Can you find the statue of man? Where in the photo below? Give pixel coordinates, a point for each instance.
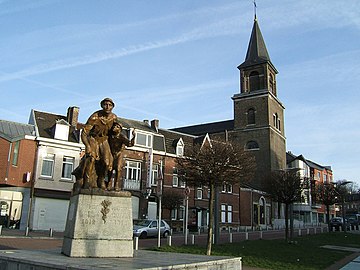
(98, 160)
(117, 142)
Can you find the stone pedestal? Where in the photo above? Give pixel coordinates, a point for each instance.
(99, 224)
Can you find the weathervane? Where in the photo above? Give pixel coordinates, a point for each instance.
(255, 10)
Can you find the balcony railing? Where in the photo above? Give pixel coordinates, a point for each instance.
(130, 184)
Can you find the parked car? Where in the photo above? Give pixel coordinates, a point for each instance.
(337, 223)
(353, 220)
(143, 228)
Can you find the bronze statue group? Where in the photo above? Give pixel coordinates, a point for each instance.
(104, 143)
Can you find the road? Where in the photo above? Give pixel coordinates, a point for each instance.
(37, 240)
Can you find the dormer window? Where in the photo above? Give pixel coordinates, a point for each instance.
(180, 148)
(61, 130)
(143, 139)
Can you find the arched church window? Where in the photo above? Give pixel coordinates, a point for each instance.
(254, 81)
(251, 145)
(251, 116)
(277, 122)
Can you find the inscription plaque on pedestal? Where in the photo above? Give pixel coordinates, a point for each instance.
(99, 225)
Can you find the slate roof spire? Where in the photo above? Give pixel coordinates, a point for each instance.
(257, 52)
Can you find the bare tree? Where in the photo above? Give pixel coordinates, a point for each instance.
(326, 193)
(211, 165)
(171, 200)
(285, 186)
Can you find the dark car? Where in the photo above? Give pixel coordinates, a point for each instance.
(353, 220)
(337, 223)
(148, 227)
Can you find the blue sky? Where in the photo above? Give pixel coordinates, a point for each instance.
(176, 61)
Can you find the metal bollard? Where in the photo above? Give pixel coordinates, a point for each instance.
(193, 239)
(27, 231)
(230, 238)
(261, 235)
(299, 233)
(0, 229)
(136, 243)
(169, 240)
(51, 232)
(246, 236)
(307, 231)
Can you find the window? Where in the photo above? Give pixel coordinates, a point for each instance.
(180, 148)
(254, 81)
(48, 165)
(67, 168)
(173, 214)
(277, 122)
(143, 139)
(182, 183)
(16, 153)
(154, 174)
(227, 188)
(175, 181)
(133, 170)
(181, 212)
(199, 193)
(229, 213)
(272, 84)
(325, 178)
(251, 116)
(252, 145)
(226, 213)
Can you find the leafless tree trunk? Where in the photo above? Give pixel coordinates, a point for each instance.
(211, 220)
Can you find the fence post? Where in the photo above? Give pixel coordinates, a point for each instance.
(169, 240)
(136, 243)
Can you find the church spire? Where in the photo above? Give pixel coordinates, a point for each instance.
(257, 52)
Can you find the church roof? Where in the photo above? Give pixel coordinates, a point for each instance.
(210, 128)
(257, 52)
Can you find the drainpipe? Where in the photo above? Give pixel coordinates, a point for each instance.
(8, 163)
(32, 189)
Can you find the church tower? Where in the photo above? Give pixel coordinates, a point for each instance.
(258, 113)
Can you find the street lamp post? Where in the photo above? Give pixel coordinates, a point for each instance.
(342, 196)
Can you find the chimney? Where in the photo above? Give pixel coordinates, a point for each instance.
(72, 116)
(146, 121)
(155, 124)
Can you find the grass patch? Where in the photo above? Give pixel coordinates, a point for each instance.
(304, 253)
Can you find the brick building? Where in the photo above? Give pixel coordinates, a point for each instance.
(17, 159)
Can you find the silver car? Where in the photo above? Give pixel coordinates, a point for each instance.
(149, 227)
